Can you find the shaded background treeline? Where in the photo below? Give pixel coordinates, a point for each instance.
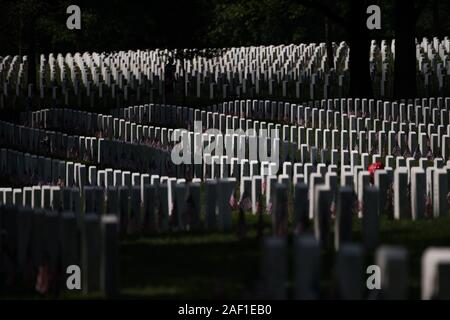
(31, 27)
(109, 25)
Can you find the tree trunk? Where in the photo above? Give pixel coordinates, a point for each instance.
(360, 82)
(405, 85)
(30, 46)
(329, 42)
(328, 36)
(436, 19)
(31, 51)
(184, 81)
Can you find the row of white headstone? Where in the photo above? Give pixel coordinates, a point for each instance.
(229, 115)
(384, 138)
(91, 149)
(304, 183)
(350, 274)
(33, 169)
(297, 71)
(327, 128)
(36, 238)
(418, 110)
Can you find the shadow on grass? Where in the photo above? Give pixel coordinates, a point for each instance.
(217, 266)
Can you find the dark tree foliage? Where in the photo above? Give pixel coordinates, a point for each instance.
(32, 27)
(109, 25)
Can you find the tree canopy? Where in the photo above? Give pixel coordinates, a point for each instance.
(109, 25)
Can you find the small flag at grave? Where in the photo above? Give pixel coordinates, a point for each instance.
(245, 203)
(233, 203)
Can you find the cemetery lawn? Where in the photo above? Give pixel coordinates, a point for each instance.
(200, 265)
(222, 266)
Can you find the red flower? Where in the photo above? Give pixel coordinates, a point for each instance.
(374, 167)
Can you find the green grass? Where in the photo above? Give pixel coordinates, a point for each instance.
(220, 266)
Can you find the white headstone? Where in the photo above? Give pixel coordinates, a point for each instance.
(435, 274)
(393, 263)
